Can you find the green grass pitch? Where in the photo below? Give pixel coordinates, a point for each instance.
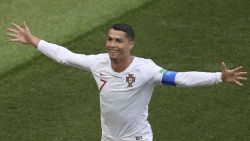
(43, 101)
(67, 20)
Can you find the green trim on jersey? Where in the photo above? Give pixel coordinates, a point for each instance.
(162, 70)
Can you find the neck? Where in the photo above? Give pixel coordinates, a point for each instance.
(122, 64)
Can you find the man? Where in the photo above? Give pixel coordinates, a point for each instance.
(125, 82)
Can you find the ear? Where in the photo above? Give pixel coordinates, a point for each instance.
(131, 44)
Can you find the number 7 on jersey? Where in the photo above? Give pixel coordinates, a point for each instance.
(103, 84)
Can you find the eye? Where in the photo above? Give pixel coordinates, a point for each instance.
(109, 39)
(119, 40)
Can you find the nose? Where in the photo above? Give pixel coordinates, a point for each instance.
(112, 44)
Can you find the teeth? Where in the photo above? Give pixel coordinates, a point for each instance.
(113, 51)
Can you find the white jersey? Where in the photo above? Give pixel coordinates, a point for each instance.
(125, 96)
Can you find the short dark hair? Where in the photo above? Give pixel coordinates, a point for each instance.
(125, 28)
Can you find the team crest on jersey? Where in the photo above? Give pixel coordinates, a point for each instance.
(130, 79)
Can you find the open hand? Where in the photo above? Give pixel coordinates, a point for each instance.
(21, 34)
(233, 76)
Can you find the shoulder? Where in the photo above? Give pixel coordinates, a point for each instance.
(148, 69)
(147, 66)
(145, 63)
(98, 59)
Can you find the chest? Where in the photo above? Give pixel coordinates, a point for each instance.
(108, 82)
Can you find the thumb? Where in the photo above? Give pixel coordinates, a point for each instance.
(223, 67)
(25, 26)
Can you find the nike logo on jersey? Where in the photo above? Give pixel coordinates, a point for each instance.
(101, 74)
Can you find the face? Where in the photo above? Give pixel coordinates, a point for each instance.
(118, 45)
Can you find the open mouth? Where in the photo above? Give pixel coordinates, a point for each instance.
(113, 50)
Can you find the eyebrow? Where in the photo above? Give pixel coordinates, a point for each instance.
(115, 38)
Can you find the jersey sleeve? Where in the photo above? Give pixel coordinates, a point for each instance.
(152, 72)
(156, 75)
(64, 56)
(184, 79)
(194, 79)
(190, 79)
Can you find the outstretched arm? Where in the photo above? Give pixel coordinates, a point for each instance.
(22, 34)
(194, 79)
(58, 53)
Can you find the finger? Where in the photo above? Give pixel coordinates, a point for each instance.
(16, 26)
(242, 78)
(237, 69)
(13, 40)
(238, 83)
(12, 30)
(240, 73)
(25, 25)
(223, 66)
(11, 35)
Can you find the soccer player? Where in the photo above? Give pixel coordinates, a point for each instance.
(125, 82)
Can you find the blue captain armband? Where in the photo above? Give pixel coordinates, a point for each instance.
(168, 78)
